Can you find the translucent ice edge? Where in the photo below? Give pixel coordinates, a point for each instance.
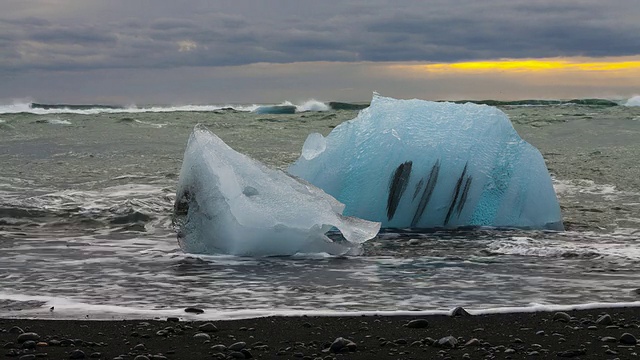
(66, 309)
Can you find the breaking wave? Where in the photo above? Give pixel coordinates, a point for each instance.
(634, 101)
(52, 109)
(46, 109)
(131, 206)
(286, 107)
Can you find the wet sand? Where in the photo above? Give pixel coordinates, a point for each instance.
(583, 334)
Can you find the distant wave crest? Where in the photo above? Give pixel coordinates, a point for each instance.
(285, 107)
(634, 101)
(50, 109)
(288, 107)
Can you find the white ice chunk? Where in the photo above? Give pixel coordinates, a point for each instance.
(422, 164)
(313, 146)
(228, 203)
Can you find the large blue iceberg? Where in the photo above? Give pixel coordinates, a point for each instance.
(422, 164)
(228, 203)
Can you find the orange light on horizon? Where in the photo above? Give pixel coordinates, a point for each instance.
(522, 65)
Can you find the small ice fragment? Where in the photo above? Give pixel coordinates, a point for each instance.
(228, 203)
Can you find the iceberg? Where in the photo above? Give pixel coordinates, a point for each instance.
(228, 203)
(423, 164)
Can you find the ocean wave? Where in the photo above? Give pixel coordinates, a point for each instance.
(536, 102)
(38, 307)
(288, 107)
(46, 109)
(526, 246)
(634, 101)
(52, 109)
(133, 206)
(54, 121)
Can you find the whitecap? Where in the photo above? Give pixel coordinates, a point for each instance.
(66, 308)
(312, 105)
(634, 101)
(55, 121)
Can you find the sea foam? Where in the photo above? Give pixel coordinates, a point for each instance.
(634, 101)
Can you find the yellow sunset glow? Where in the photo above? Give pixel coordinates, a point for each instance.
(525, 65)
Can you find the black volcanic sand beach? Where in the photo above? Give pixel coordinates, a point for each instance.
(587, 334)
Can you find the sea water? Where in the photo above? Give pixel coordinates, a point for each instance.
(86, 196)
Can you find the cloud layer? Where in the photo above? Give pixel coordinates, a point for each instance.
(74, 35)
(217, 51)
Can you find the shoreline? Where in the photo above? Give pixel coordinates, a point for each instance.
(581, 334)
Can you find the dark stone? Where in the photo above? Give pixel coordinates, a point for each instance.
(27, 357)
(202, 336)
(236, 355)
(561, 316)
(77, 354)
(338, 344)
(139, 347)
(571, 353)
(247, 354)
(238, 346)
(604, 320)
(610, 339)
(628, 339)
(459, 311)
(16, 330)
(28, 336)
(66, 342)
(194, 310)
(141, 357)
(173, 319)
(418, 324)
(219, 348)
(448, 342)
(13, 353)
(95, 355)
(208, 327)
(473, 342)
(29, 344)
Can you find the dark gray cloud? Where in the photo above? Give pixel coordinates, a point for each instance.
(117, 34)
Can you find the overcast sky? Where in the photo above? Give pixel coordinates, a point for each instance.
(205, 51)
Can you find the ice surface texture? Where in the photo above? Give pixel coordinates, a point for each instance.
(228, 203)
(422, 164)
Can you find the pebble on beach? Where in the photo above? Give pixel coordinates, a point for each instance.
(499, 336)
